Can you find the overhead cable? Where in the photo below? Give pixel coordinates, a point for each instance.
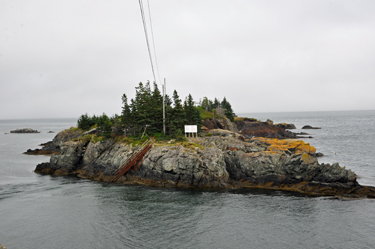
(153, 41)
(146, 35)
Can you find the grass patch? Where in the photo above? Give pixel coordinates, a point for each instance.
(96, 139)
(190, 145)
(85, 138)
(74, 129)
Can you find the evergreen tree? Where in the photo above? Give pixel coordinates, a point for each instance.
(142, 101)
(85, 122)
(104, 126)
(156, 111)
(198, 120)
(126, 119)
(168, 114)
(178, 115)
(190, 110)
(206, 105)
(228, 109)
(117, 127)
(215, 104)
(133, 117)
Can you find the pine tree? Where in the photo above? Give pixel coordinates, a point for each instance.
(156, 113)
(117, 127)
(104, 126)
(228, 109)
(142, 101)
(190, 110)
(126, 119)
(198, 120)
(168, 114)
(206, 105)
(85, 122)
(215, 104)
(133, 117)
(178, 115)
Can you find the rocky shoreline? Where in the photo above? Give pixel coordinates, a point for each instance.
(225, 159)
(53, 147)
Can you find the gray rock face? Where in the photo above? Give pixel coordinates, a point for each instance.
(105, 157)
(218, 161)
(54, 145)
(185, 168)
(224, 123)
(69, 158)
(284, 169)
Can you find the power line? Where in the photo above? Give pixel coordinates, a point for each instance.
(146, 35)
(153, 41)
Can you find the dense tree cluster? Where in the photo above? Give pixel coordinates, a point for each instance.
(208, 105)
(146, 110)
(144, 114)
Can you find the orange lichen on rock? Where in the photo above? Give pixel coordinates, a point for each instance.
(277, 146)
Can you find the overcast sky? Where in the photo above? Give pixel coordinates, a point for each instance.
(66, 58)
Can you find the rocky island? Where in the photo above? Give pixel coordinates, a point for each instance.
(24, 130)
(219, 159)
(140, 147)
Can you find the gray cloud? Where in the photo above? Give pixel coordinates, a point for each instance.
(65, 58)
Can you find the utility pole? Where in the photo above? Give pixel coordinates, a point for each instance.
(164, 90)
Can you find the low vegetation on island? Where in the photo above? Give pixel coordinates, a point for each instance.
(143, 115)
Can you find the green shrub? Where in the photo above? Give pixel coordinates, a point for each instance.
(85, 138)
(206, 115)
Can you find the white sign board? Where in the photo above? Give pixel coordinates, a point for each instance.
(191, 129)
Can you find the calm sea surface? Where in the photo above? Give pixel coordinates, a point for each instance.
(39, 211)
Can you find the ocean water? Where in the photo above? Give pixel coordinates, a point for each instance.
(41, 211)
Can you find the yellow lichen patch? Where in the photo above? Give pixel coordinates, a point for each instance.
(276, 145)
(306, 158)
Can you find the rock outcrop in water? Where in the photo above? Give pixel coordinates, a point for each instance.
(24, 130)
(309, 127)
(224, 160)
